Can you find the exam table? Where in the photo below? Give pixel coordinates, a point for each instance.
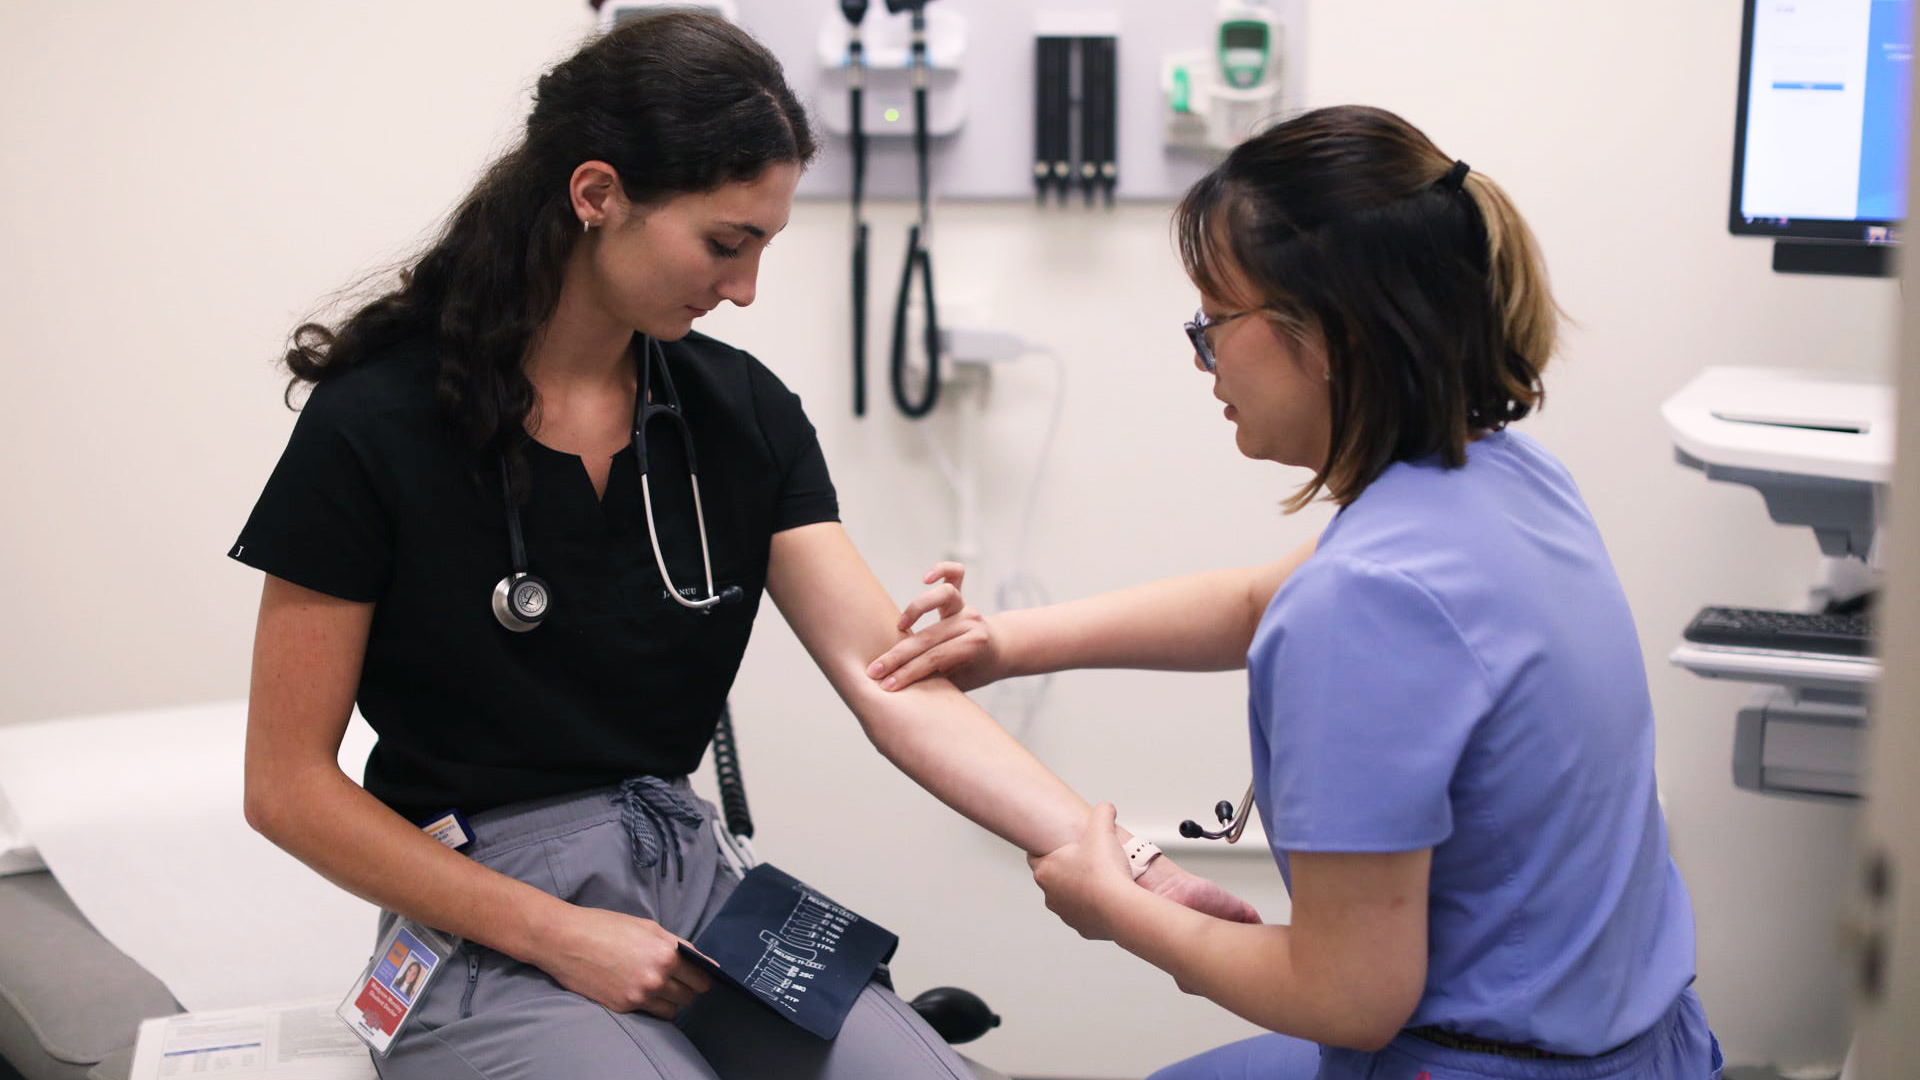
(70, 1002)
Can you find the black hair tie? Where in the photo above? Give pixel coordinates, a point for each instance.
(1455, 177)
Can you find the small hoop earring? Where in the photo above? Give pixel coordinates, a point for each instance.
(585, 225)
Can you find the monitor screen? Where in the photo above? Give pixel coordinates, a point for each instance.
(1821, 142)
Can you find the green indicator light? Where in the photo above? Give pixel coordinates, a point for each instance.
(893, 116)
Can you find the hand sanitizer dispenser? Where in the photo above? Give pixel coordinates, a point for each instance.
(1214, 99)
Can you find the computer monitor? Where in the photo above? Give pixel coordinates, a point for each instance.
(1820, 145)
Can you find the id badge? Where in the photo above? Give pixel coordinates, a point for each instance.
(450, 828)
(384, 995)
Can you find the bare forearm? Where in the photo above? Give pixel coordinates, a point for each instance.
(1192, 623)
(333, 825)
(1250, 970)
(930, 730)
(952, 748)
(1199, 622)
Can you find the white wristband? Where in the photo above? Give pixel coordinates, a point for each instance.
(1140, 852)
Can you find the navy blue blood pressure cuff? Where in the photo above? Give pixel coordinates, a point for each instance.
(797, 952)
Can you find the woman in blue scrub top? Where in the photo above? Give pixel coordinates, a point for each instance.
(1451, 732)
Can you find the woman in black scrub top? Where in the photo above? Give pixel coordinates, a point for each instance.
(657, 164)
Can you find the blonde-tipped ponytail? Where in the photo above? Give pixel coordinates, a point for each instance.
(1518, 275)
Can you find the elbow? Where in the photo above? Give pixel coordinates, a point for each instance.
(1368, 1001)
(1363, 1029)
(265, 803)
(1368, 1038)
(1371, 1021)
(1339, 1022)
(260, 807)
(891, 719)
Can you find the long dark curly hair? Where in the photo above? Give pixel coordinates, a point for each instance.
(678, 102)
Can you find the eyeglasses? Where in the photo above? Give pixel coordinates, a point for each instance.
(1197, 334)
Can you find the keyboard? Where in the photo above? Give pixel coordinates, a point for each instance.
(1781, 631)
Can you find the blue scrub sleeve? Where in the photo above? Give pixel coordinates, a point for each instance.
(1368, 696)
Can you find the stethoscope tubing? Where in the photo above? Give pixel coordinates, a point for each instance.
(659, 560)
(516, 543)
(646, 411)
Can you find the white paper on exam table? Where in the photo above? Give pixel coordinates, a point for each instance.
(139, 817)
(302, 1041)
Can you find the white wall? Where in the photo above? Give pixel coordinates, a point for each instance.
(184, 182)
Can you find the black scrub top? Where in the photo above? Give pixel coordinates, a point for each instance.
(376, 499)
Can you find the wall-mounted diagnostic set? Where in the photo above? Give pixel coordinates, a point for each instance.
(1076, 105)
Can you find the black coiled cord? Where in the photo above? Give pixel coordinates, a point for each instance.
(919, 260)
(726, 768)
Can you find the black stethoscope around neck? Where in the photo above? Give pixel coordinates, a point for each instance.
(522, 601)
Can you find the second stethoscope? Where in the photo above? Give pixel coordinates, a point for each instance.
(522, 601)
(1234, 821)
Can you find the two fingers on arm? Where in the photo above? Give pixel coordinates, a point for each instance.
(940, 648)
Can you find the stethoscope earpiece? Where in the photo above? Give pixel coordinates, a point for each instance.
(520, 601)
(1233, 821)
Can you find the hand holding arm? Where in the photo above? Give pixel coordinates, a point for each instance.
(1085, 879)
(1349, 971)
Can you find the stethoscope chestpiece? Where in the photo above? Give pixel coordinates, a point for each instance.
(520, 602)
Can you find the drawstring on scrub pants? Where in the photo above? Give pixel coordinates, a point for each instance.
(652, 811)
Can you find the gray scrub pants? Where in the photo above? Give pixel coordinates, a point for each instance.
(488, 1015)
